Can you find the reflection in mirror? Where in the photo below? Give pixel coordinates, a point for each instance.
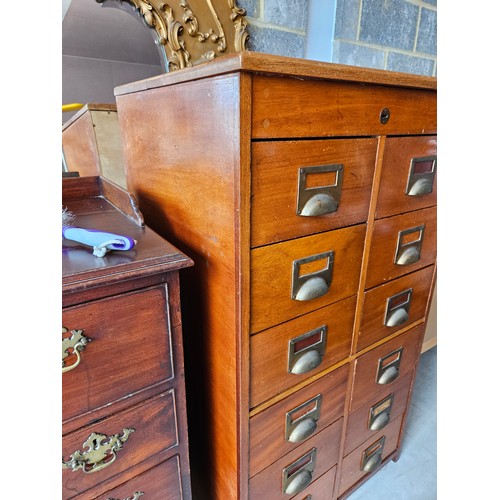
(103, 47)
(108, 43)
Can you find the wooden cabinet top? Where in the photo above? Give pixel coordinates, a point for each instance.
(255, 62)
(103, 206)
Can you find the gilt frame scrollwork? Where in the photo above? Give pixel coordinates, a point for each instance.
(192, 31)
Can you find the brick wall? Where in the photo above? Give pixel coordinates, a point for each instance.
(397, 35)
(277, 26)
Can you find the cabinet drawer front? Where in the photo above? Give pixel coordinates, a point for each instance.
(402, 244)
(305, 187)
(159, 483)
(321, 488)
(295, 277)
(383, 367)
(129, 349)
(154, 430)
(303, 465)
(369, 454)
(291, 352)
(377, 414)
(284, 426)
(408, 180)
(337, 109)
(394, 305)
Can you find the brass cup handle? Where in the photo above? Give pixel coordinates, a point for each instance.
(302, 430)
(372, 463)
(301, 421)
(319, 200)
(73, 345)
(397, 317)
(380, 413)
(298, 482)
(372, 456)
(397, 308)
(420, 187)
(388, 367)
(380, 421)
(421, 176)
(306, 358)
(313, 285)
(135, 496)
(298, 475)
(409, 252)
(100, 452)
(408, 256)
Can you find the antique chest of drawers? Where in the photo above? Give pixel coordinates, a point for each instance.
(124, 412)
(305, 193)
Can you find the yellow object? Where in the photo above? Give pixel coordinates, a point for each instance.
(72, 107)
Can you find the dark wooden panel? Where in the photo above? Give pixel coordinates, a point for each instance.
(269, 349)
(358, 429)
(373, 328)
(189, 173)
(321, 489)
(159, 483)
(405, 346)
(123, 356)
(80, 145)
(292, 108)
(271, 274)
(268, 483)
(267, 428)
(381, 263)
(275, 174)
(398, 154)
(155, 431)
(351, 471)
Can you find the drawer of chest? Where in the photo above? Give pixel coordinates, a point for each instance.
(368, 457)
(161, 482)
(310, 186)
(293, 473)
(321, 488)
(288, 354)
(282, 427)
(295, 277)
(401, 244)
(292, 108)
(128, 350)
(112, 446)
(380, 369)
(377, 414)
(391, 306)
(408, 180)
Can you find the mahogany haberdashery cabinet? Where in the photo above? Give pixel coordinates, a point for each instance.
(124, 428)
(305, 192)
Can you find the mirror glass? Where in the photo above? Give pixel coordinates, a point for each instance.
(104, 46)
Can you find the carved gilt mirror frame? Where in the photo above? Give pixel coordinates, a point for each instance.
(191, 32)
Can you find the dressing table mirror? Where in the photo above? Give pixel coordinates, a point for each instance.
(107, 43)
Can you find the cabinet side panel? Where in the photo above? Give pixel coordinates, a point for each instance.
(181, 149)
(80, 147)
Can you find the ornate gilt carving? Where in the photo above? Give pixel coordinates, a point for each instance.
(240, 26)
(217, 22)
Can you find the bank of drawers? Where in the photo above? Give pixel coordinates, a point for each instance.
(291, 202)
(401, 260)
(305, 274)
(124, 429)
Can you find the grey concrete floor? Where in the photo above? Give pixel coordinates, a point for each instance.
(413, 476)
